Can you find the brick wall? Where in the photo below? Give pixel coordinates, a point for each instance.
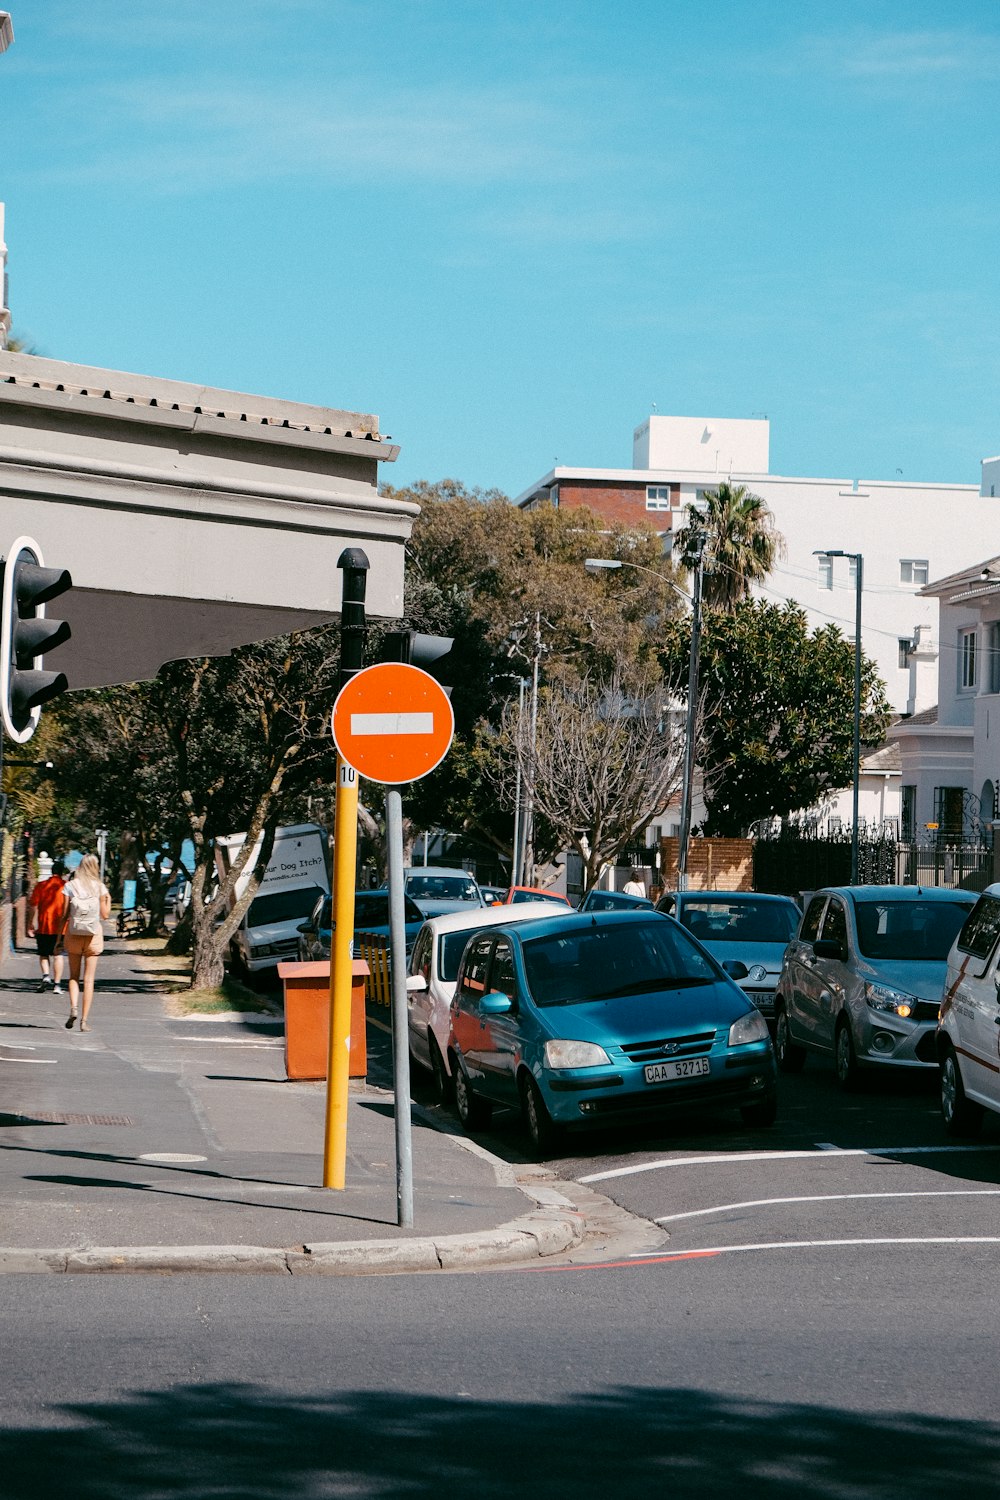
(713, 864)
(623, 503)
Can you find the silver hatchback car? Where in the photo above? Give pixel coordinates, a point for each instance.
(862, 981)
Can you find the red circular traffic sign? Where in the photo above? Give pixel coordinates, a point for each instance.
(393, 723)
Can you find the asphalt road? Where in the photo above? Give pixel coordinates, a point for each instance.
(822, 1319)
(870, 1173)
(707, 1377)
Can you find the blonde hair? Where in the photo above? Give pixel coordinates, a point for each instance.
(88, 872)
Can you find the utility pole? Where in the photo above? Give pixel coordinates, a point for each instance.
(687, 794)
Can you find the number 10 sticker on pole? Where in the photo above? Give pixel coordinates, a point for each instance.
(393, 723)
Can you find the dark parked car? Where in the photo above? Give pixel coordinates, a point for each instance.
(598, 900)
(371, 915)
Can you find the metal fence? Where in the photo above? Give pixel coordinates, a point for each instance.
(792, 861)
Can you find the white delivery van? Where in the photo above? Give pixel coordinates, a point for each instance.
(297, 875)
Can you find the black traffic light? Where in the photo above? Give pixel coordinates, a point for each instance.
(26, 635)
(432, 653)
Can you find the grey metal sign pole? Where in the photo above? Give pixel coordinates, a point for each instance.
(400, 1042)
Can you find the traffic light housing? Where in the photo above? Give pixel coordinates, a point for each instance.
(432, 653)
(26, 635)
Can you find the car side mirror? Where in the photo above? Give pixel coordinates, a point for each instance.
(495, 1004)
(735, 969)
(415, 982)
(828, 948)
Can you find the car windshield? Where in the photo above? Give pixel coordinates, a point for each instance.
(282, 906)
(600, 963)
(441, 888)
(908, 929)
(746, 921)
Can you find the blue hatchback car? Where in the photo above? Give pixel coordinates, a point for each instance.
(604, 1017)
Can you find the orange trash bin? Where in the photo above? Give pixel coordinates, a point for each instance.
(307, 1019)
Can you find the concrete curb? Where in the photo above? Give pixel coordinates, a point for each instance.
(544, 1232)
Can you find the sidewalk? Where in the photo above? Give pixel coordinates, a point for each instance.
(153, 1143)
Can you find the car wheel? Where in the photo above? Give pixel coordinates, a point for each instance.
(542, 1130)
(762, 1112)
(961, 1115)
(443, 1082)
(475, 1113)
(791, 1058)
(846, 1060)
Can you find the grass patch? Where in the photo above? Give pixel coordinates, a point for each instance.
(174, 972)
(229, 995)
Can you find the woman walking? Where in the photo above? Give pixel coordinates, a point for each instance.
(88, 906)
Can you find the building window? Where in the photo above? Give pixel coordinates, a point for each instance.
(825, 572)
(554, 497)
(905, 647)
(994, 655)
(661, 496)
(908, 811)
(913, 572)
(967, 659)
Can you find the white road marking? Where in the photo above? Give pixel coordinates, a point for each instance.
(168, 1156)
(980, 1239)
(228, 1041)
(35, 1060)
(416, 723)
(745, 1156)
(724, 1208)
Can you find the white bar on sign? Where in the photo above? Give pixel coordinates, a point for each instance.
(392, 724)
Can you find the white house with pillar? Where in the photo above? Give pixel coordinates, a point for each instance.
(950, 756)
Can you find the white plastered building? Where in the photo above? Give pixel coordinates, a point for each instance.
(907, 531)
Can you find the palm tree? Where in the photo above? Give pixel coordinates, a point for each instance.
(740, 544)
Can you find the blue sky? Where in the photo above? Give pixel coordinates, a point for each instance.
(511, 228)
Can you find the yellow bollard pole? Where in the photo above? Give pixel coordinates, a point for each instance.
(345, 844)
(354, 565)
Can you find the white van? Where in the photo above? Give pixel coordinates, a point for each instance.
(297, 875)
(968, 1033)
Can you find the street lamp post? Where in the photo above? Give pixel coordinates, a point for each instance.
(600, 564)
(859, 567)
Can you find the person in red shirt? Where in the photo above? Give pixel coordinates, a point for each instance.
(46, 907)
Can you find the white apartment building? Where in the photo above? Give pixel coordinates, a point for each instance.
(907, 532)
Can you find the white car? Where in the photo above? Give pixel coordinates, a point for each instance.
(430, 983)
(968, 1034)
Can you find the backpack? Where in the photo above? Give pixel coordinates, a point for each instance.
(84, 910)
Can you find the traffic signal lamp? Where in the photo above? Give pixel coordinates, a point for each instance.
(432, 653)
(25, 637)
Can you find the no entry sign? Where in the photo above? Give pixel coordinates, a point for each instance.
(393, 723)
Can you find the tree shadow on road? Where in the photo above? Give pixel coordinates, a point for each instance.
(259, 1444)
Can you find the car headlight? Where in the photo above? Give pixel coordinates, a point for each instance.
(896, 1002)
(565, 1054)
(749, 1028)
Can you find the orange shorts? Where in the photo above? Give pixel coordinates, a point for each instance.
(90, 944)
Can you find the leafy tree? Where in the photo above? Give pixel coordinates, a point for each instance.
(605, 759)
(210, 747)
(482, 571)
(778, 709)
(741, 544)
